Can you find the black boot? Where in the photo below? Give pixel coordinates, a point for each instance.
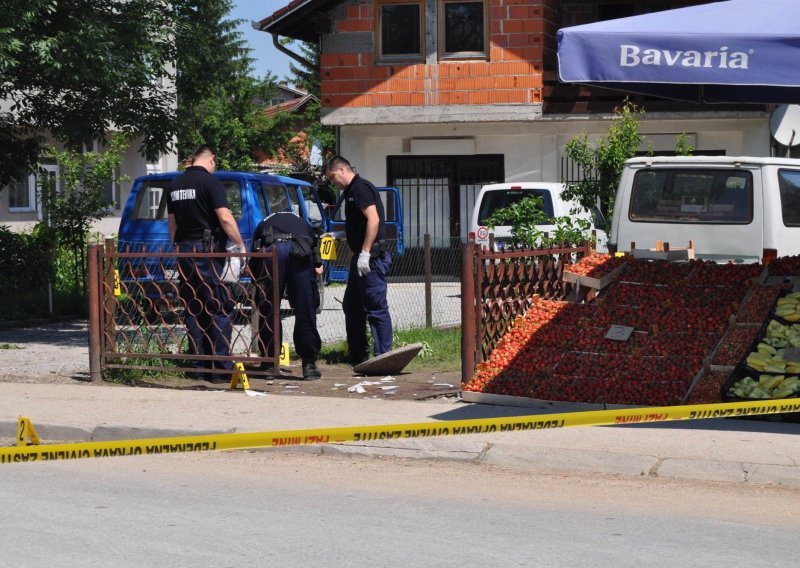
(310, 370)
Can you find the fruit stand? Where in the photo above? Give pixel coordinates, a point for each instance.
(657, 333)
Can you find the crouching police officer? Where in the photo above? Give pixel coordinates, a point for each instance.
(299, 266)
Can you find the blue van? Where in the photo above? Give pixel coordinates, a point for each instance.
(337, 271)
(252, 196)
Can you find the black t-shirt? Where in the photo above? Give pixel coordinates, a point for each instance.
(283, 223)
(359, 195)
(193, 197)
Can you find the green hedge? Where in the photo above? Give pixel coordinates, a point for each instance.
(28, 262)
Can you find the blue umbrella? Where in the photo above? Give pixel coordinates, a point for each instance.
(734, 51)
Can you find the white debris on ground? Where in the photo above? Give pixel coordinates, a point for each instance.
(361, 387)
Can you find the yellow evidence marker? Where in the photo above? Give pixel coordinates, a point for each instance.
(327, 248)
(283, 360)
(239, 376)
(26, 433)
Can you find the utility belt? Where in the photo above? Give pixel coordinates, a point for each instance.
(378, 248)
(212, 242)
(272, 238)
(302, 246)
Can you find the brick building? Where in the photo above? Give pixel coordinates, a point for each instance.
(439, 97)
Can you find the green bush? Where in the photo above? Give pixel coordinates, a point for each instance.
(30, 261)
(25, 269)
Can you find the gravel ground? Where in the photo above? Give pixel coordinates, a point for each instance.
(59, 353)
(46, 353)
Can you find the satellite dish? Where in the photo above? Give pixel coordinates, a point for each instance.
(784, 124)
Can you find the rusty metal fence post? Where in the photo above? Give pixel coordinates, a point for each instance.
(109, 277)
(468, 326)
(94, 299)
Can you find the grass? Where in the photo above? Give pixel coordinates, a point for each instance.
(442, 351)
(9, 346)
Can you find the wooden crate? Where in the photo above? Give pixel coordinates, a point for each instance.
(591, 282)
(663, 251)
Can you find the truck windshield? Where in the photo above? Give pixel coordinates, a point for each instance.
(680, 195)
(502, 198)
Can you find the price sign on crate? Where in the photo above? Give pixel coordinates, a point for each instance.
(619, 332)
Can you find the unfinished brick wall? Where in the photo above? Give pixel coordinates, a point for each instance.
(519, 30)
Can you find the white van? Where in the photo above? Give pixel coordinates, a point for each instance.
(732, 208)
(500, 195)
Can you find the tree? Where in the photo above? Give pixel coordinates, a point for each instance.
(308, 79)
(601, 166)
(77, 69)
(682, 146)
(79, 200)
(527, 215)
(219, 101)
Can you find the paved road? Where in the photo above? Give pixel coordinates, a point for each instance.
(298, 510)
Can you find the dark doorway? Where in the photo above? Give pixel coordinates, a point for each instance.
(438, 192)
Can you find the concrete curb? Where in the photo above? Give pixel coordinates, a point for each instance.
(534, 459)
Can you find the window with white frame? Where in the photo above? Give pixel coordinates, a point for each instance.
(400, 28)
(463, 29)
(111, 192)
(22, 195)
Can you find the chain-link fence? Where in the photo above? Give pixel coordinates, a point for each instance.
(424, 288)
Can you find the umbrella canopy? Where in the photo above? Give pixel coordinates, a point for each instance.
(726, 52)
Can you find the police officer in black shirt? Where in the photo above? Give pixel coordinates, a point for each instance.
(200, 220)
(299, 266)
(365, 296)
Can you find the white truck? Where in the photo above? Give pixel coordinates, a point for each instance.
(500, 195)
(742, 209)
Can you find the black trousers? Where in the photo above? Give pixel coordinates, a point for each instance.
(297, 278)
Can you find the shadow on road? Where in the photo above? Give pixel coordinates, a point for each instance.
(773, 424)
(67, 334)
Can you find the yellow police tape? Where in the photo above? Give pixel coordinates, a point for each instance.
(246, 440)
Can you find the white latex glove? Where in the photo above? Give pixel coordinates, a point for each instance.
(234, 266)
(363, 263)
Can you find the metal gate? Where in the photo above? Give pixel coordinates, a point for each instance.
(136, 316)
(439, 192)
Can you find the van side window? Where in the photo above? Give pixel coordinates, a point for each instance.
(315, 212)
(276, 197)
(234, 193)
(293, 199)
(500, 199)
(262, 203)
(151, 202)
(692, 196)
(789, 184)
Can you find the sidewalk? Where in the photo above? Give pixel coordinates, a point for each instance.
(754, 452)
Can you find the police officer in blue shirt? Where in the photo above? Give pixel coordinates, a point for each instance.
(365, 295)
(299, 269)
(200, 220)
